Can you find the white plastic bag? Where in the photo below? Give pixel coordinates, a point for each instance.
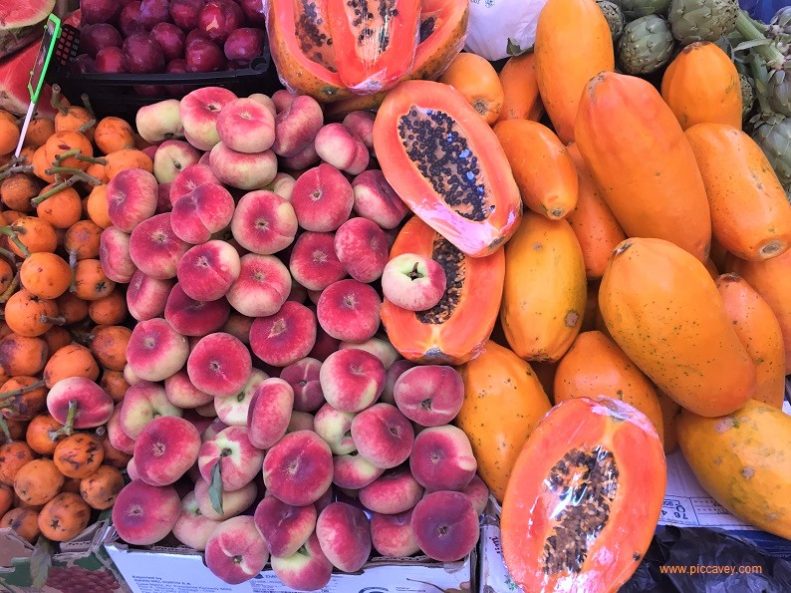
(495, 23)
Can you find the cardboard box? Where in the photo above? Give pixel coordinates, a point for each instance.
(180, 570)
(81, 565)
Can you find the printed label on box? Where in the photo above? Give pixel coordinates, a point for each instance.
(155, 572)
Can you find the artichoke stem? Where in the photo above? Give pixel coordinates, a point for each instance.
(747, 29)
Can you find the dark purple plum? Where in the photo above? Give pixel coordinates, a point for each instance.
(110, 60)
(129, 21)
(170, 38)
(143, 54)
(219, 18)
(96, 37)
(184, 13)
(204, 56)
(243, 45)
(153, 12)
(99, 11)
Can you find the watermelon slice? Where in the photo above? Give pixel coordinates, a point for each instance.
(14, 76)
(19, 22)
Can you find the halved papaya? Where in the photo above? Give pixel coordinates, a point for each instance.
(302, 50)
(374, 41)
(443, 28)
(584, 498)
(446, 164)
(305, 52)
(457, 328)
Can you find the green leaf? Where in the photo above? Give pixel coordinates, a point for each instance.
(41, 561)
(750, 44)
(215, 488)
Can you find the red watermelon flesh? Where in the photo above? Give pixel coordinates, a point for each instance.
(19, 20)
(14, 76)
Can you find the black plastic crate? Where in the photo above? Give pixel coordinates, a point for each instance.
(117, 94)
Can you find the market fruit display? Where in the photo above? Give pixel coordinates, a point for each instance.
(297, 329)
(256, 355)
(583, 498)
(742, 464)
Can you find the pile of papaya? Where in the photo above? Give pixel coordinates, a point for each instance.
(63, 332)
(634, 242)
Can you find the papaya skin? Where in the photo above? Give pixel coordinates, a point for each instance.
(594, 366)
(643, 164)
(544, 294)
(742, 461)
(542, 168)
(771, 279)
(759, 331)
(719, 100)
(592, 220)
(520, 88)
(663, 309)
(503, 402)
(750, 214)
(670, 412)
(562, 74)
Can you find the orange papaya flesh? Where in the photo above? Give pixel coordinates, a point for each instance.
(584, 498)
(457, 328)
(446, 164)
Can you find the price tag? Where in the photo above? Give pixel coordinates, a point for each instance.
(38, 74)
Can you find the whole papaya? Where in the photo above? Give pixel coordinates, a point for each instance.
(758, 329)
(742, 461)
(701, 84)
(592, 220)
(663, 309)
(642, 162)
(594, 366)
(750, 214)
(503, 402)
(573, 43)
(544, 292)
(771, 278)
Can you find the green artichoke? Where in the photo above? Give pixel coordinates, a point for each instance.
(748, 95)
(634, 9)
(702, 20)
(774, 138)
(645, 46)
(614, 15)
(779, 91)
